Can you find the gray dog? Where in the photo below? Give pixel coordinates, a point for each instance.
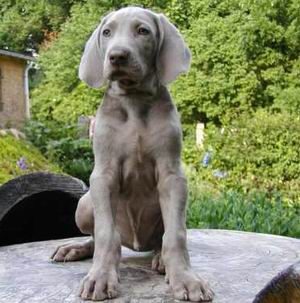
(138, 190)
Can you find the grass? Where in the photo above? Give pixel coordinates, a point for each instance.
(12, 150)
(254, 212)
(211, 205)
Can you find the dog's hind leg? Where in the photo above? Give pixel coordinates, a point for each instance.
(73, 251)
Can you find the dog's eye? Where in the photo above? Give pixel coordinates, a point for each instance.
(143, 31)
(106, 33)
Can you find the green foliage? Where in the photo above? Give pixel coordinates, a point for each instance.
(12, 150)
(40, 133)
(245, 56)
(288, 98)
(74, 156)
(54, 104)
(179, 12)
(25, 24)
(62, 146)
(259, 152)
(191, 153)
(255, 212)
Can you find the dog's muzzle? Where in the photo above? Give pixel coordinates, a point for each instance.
(123, 67)
(119, 57)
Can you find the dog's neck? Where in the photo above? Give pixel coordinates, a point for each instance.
(123, 103)
(148, 88)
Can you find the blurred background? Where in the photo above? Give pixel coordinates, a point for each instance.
(239, 104)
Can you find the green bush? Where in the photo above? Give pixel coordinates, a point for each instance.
(74, 156)
(41, 133)
(256, 152)
(25, 24)
(256, 211)
(61, 144)
(245, 57)
(191, 154)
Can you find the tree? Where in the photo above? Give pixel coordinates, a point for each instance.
(245, 56)
(25, 24)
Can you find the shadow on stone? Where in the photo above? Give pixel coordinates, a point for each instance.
(39, 206)
(42, 216)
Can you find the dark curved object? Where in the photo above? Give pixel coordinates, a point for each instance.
(284, 288)
(39, 206)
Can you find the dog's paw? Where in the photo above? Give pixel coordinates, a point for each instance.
(73, 252)
(186, 285)
(98, 285)
(157, 263)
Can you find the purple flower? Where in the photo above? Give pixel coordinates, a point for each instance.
(206, 159)
(21, 163)
(220, 174)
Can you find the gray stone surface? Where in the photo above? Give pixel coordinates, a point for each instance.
(237, 264)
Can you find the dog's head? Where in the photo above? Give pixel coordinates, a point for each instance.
(130, 44)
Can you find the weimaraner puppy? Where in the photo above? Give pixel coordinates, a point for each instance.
(138, 190)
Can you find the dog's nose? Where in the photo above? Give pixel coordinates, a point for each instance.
(118, 57)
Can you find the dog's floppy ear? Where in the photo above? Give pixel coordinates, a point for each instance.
(173, 57)
(91, 64)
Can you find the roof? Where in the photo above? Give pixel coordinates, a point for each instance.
(14, 54)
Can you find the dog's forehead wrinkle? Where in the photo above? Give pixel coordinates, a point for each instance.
(137, 15)
(110, 23)
(141, 21)
(127, 27)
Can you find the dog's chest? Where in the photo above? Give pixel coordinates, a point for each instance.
(126, 130)
(138, 209)
(138, 163)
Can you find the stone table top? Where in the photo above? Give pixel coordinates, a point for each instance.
(236, 264)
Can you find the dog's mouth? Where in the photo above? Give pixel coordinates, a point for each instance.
(128, 82)
(123, 78)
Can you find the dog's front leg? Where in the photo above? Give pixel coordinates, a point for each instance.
(102, 280)
(172, 186)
